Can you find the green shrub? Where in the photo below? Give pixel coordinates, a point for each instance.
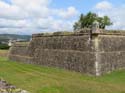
(4, 46)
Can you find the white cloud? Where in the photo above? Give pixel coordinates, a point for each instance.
(34, 8)
(104, 5)
(33, 16)
(10, 11)
(70, 12)
(116, 14)
(13, 23)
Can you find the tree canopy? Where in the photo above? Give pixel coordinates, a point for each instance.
(86, 21)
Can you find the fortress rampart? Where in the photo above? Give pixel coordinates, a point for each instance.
(103, 53)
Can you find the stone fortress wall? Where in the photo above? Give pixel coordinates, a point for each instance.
(102, 53)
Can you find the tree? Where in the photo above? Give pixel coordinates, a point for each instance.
(87, 21)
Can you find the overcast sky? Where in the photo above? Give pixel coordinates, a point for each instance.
(37, 16)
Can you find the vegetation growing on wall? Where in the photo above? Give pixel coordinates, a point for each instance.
(86, 21)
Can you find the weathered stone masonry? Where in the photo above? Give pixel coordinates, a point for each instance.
(105, 52)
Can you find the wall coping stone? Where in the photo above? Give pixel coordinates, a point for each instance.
(107, 32)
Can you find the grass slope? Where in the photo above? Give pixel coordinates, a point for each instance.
(38, 79)
(3, 53)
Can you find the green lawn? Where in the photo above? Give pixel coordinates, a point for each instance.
(38, 79)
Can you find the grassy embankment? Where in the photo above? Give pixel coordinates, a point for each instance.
(38, 79)
(3, 53)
